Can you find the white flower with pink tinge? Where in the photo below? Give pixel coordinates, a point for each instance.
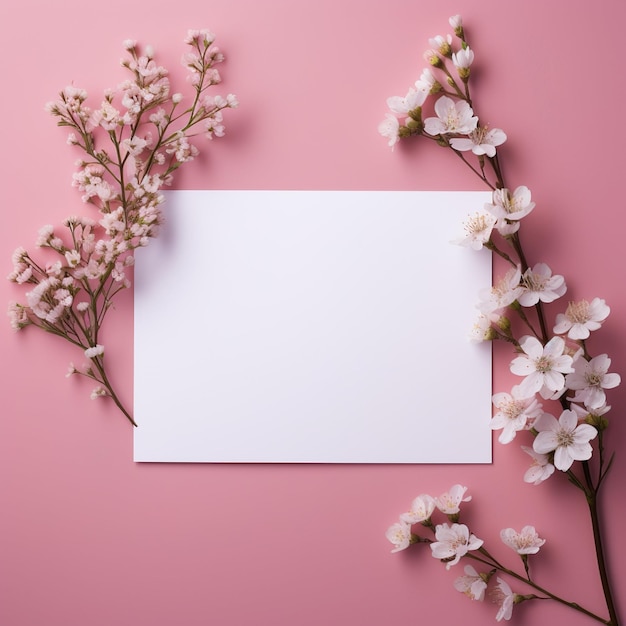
(482, 141)
(399, 534)
(542, 366)
(501, 295)
(540, 469)
(527, 541)
(538, 284)
(453, 542)
(389, 128)
(509, 208)
(472, 584)
(452, 117)
(515, 413)
(581, 317)
(504, 597)
(590, 379)
(421, 510)
(478, 229)
(450, 501)
(413, 99)
(568, 439)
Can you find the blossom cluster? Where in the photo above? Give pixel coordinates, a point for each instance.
(560, 401)
(131, 145)
(454, 541)
(550, 366)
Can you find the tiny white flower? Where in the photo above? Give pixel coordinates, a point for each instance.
(452, 117)
(478, 229)
(449, 502)
(481, 330)
(427, 81)
(399, 534)
(421, 510)
(540, 469)
(515, 413)
(505, 598)
(94, 351)
(98, 392)
(453, 542)
(566, 438)
(527, 541)
(455, 21)
(542, 367)
(581, 317)
(413, 99)
(510, 208)
(590, 379)
(471, 584)
(538, 284)
(389, 128)
(480, 141)
(462, 59)
(502, 294)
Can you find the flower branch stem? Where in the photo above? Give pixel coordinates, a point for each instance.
(592, 500)
(107, 384)
(505, 570)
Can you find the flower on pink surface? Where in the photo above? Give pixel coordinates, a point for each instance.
(453, 542)
(450, 501)
(527, 541)
(509, 208)
(581, 317)
(504, 597)
(399, 534)
(515, 413)
(131, 146)
(94, 351)
(480, 141)
(421, 510)
(540, 468)
(463, 58)
(402, 105)
(452, 117)
(538, 284)
(457, 24)
(590, 379)
(389, 128)
(565, 437)
(427, 82)
(543, 367)
(472, 584)
(443, 45)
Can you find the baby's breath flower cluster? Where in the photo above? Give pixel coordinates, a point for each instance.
(560, 403)
(131, 146)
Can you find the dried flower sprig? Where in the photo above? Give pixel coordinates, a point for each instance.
(561, 400)
(132, 144)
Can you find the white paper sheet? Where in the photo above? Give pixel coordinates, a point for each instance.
(322, 326)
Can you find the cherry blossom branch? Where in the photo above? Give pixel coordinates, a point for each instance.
(122, 174)
(551, 364)
(455, 542)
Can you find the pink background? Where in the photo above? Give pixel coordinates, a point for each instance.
(89, 537)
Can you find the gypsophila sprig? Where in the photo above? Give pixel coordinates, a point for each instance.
(559, 405)
(130, 145)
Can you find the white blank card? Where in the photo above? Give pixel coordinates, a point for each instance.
(311, 327)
